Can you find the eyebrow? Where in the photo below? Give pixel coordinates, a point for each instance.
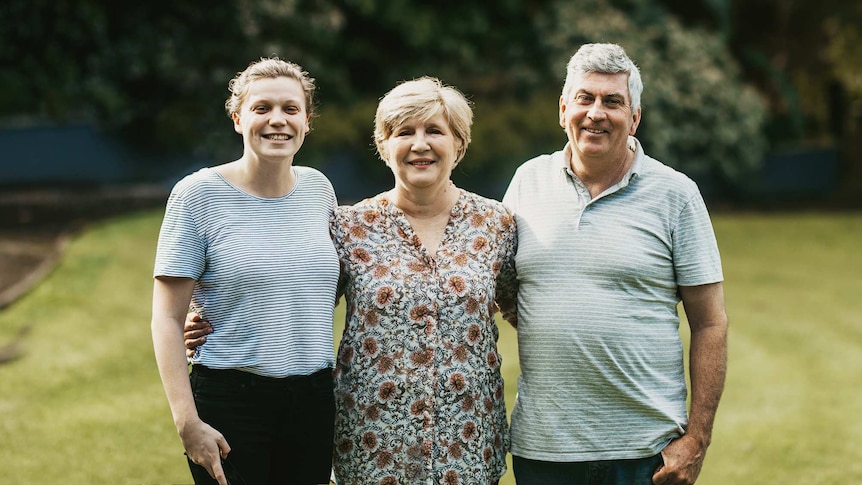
(609, 95)
(266, 100)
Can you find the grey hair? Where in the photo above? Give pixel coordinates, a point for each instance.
(604, 59)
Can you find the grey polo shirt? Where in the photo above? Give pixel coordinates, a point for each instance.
(602, 373)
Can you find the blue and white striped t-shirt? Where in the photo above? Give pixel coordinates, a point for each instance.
(265, 271)
(602, 373)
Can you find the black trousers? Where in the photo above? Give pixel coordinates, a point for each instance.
(280, 430)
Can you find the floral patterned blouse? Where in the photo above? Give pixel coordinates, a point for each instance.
(419, 395)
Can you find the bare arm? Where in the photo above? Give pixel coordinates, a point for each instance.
(204, 445)
(707, 318)
(704, 307)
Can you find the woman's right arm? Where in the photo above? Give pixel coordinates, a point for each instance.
(203, 444)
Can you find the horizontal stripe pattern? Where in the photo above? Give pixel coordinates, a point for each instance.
(602, 373)
(265, 271)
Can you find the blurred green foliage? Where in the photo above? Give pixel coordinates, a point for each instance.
(156, 74)
(698, 115)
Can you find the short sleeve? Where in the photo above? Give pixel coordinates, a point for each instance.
(181, 251)
(510, 198)
(695, 250)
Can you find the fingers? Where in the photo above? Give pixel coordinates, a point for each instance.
(193, 322)
(194, 335)
(192, 344)
(205, 446)
(661, 473)
(659, 476)
(217, 472)
(196, 332)
(223, 447)
(674, 471)
(201, 326)
(213, 461)
(218, 469)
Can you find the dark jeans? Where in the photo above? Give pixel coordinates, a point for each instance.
(280, 430)
(614, 472)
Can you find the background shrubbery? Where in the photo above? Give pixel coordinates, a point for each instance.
(723, 86)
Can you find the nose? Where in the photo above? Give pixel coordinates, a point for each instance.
(596, 111)
(277, 117)
(420, 144)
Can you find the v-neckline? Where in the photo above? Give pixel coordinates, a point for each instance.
(407, 226)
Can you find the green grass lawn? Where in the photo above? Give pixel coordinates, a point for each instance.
(85, 405)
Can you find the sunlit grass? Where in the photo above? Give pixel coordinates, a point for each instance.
(84, 405)
(790, 409)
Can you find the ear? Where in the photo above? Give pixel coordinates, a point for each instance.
(460, 152)
(307, 124)
(382, 152)
(636, 120)
(562, 113)
(237, 127)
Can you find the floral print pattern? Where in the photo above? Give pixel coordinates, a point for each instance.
(419, 395)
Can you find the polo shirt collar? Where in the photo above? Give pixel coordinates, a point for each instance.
(562, 161)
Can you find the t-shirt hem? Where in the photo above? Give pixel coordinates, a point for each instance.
(582, 456)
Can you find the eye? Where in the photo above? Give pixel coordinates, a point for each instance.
(260, 109)
(292, 110)
(613, 102)
(584, 99)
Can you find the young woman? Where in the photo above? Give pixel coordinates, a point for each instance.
(246, 245)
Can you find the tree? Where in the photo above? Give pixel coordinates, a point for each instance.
(698, 115)
(155, 74)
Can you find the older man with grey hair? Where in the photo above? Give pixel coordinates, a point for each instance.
(610, 241)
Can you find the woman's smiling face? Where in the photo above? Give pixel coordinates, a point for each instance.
(422, 153)
(273, 119)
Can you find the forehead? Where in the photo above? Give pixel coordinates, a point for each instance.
(435, 117)
(276, 89)
(602, 84)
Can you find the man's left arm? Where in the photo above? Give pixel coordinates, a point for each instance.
(707, 318)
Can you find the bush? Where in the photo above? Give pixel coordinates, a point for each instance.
(698, 116)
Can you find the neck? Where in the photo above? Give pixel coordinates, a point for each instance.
(425, 204)
(260, 178)
(600, 174)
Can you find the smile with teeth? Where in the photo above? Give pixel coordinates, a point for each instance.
(278, 137)
(421, 163)
(594, 131)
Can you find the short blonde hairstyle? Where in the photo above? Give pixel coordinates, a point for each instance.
(421, 99)
(268, 68)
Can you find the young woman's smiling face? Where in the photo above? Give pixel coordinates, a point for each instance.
(273, 119)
